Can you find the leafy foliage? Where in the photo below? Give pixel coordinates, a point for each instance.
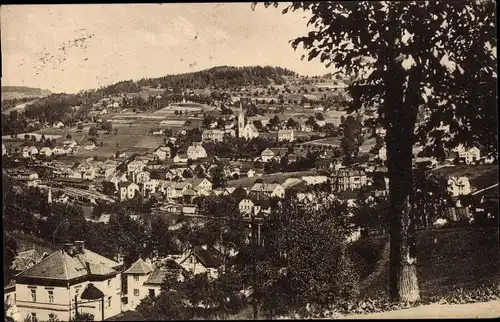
(405, 55)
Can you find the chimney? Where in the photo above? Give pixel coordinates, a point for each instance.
(69, 248)
(79, 246)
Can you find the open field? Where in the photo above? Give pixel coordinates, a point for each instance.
(19, 108)
(269, 178)
(446, 260)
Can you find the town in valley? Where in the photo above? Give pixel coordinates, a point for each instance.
(188, 195)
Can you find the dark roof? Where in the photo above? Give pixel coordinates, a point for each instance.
(209, 257)
(263, 202)
(127, 316)
(91, 293)
(345, 195)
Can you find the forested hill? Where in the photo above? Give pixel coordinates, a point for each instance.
(16, 92)
(218, 77)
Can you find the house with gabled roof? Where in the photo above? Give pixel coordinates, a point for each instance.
(24, 260)
(127, 190)
(163, 152)
(212, 135)
(204, 259)
(458, 186)
(267, 155)
(135, 276)
(267, 190)
(71, 273)
(202, 186)
(29, 151)
(146, 279)
(196, 151)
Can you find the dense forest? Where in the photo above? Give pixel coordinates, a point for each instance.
(10, 92)
(222, 77)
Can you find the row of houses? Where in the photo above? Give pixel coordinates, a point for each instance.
(68, 148)
(75, 279)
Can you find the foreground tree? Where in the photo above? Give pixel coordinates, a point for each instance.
(406, 54)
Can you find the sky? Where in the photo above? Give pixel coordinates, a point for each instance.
(133, 41)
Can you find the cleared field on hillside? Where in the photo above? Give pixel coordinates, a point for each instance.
(269, 178)
(446, 260)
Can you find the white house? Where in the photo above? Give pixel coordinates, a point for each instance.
(127, 190)
(49, 288)
(149, 187)
(246, 206)
(181, 158)
(203, 260)
(201, 185)
(4, 150)
(268, 189)
(90, 147)
(382, 153)
(135, 165)
(212, 135)
(70, 143)
(29, 151)
(459, 186)
(59, 150)
(145, 279)
(196, 151)
(305, 128)
(267, 155)
(59, 125)
(157, 131)
(285, 135)
(140, 176)
(136, 275)
(45, 151)
(471, 156)
(163, 152)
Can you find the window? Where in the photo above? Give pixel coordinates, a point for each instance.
(151, 292)
(50, 295)
(109, 301)
(136, 278)
(109, 282)
(136, 292)
(33, 294)
(33, 316)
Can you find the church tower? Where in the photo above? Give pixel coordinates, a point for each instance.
(241, 121)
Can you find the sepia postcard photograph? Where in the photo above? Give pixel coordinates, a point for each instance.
(250, 161)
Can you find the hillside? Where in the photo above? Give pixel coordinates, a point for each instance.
(447, 259)
(218, 77)
(18, 92)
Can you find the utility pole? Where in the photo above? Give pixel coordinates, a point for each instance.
(254, 268)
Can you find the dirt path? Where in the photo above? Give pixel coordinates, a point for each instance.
(489, 309)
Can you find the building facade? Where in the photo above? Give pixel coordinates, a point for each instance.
(55, 286)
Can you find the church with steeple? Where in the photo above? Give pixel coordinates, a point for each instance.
(247, 131)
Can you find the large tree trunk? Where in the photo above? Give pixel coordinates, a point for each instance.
(401, 106)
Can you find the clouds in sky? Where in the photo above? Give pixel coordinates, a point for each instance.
(146, 40)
